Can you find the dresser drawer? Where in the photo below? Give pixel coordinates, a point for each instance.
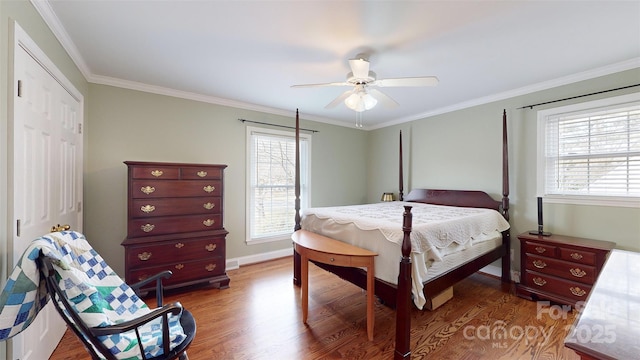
(540, 249)
(550, 284)
(155, 172)
(173, 224)
(180, 188)
(164, 252)
(194, 173)
(578, 255)
(176, 206)
(183, 271)
(564, 269)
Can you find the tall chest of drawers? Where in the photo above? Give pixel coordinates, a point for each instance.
(175, 222)
(560, 268)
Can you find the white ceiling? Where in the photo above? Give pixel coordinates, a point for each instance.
(248, 53)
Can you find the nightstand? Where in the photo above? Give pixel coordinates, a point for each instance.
(560, 268)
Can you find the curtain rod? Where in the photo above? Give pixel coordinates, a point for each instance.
(579, 96)
(282, 126)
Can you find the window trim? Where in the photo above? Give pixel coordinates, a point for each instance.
(618, 201)
(305, 173)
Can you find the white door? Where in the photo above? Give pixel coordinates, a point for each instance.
(47, 172)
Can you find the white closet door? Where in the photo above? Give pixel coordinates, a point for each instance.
(47, 173)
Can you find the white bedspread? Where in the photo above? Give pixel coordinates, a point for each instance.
(434, 227)
(437, 231)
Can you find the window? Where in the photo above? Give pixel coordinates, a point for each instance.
(271, 183)
(589, 153)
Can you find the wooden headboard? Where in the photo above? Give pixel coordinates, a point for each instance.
(466, 198)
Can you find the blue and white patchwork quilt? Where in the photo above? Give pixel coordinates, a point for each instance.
(97, 292)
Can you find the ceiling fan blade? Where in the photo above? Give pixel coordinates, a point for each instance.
(359, 68)
(321, 85)
(408, 81)
(385, 99)
(339, 99)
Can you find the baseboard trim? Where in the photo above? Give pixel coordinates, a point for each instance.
(235, 263)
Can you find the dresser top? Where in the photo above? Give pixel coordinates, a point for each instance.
(569, 240)
(152, 163)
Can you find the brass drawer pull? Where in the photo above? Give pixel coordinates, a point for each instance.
(179, 266)
(208, 222)
(210, 267)
(202, 173)
(209, 188)
(540, 264)
(577, 272)
(144, 256)
(157, 173)
(576, 256)
(208, 205)
(147, 208)
(540, 249)
(147, 227)
(147, 189)
(142, 277)
(179, 245)
(539, 281)
(577, 291)
(211, 247)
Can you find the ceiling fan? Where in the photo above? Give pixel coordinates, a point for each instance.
(364, 95)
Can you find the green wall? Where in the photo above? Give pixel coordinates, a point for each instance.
(133, 125)
(462, 150)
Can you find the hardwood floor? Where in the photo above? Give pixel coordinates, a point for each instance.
(259, 317)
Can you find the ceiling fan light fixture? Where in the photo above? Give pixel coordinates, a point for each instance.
(360, 101)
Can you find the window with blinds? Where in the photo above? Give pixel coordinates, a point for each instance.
(592, 150)
(271, 185)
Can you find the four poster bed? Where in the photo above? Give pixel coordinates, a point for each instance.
(442, 237)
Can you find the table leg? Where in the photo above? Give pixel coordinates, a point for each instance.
(304, 275)
(370, 300)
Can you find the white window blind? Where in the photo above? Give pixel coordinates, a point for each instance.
(271, 189)
(593, 152)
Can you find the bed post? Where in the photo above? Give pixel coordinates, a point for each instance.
(403, 305)
(505, 168)
(401, 184)
(506, 236)
(296, 256)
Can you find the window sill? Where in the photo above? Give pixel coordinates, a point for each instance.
(269, 239)
(616, 201)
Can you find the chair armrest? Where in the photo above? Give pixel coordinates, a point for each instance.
(173, 308)
(158, 279)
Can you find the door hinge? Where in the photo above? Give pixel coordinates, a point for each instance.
(79, 206)
(19, 88)
(80, 128)
(18, 228)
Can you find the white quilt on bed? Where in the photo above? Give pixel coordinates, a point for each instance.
(434, 227)
(437, 231)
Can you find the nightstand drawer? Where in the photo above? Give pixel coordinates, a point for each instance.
(565, 288)
(540, 249)
(564, 269)
(579, 256)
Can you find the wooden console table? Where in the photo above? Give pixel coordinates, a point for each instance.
(312, 246)
(608, 326)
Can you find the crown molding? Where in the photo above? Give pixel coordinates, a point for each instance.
(132, 85)
(545, 85)
(43, 7)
